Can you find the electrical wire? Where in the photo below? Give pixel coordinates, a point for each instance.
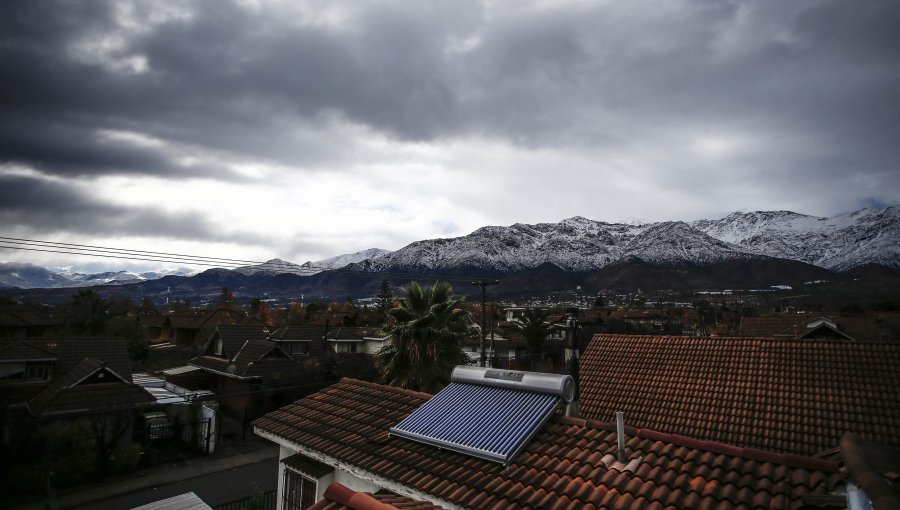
(15, 243)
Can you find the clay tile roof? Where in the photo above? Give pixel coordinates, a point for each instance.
(338, 497)
(874, 468)
(348, 424)
(792, 396)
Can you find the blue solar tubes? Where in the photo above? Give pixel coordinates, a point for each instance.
(486, 420)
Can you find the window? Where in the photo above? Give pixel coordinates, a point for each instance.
(299, 347)
(36, 372)
(217, 349)
(11, 372)
(344, 347)
(299, 491)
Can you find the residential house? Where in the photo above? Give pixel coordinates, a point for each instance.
(811, 326)
(239, 359)
(372, 438)
(27, 321)
(53, 390)
(183, 327)
(797, 396)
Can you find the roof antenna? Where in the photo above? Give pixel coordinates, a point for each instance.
(620, 433)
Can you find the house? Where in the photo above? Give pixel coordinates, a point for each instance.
(64, 376)
(27, 321)
(300, 341)
(239, 359)
(372, 438)
(811, 326)
(61, 395)
(183, 327)
(797, 396)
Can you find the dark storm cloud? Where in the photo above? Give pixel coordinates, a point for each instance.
(48, 206)
(819, 79)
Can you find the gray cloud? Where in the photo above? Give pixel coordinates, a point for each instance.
(45, 206)
(809, 88)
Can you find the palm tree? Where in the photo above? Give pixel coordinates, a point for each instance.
(534, 328)
(426, 333)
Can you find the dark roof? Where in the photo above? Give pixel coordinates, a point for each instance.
(797, 396)
(339, 497)
(569, 462)
(63, 355)
(23, 315)
(795, 326)
(298, 334)
(875, 468)
(307, 466)
(24, 350)
(255, 359)
(234, 337)
(88, 386)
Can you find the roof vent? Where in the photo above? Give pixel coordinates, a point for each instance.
(487, 413)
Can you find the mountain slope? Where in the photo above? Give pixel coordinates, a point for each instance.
(867, 236)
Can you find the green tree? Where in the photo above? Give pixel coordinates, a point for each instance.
(533, 326)
(426, 338)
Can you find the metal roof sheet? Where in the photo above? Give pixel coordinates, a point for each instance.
(488, 422)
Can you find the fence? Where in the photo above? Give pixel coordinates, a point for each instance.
(195, 433)
(264, 501)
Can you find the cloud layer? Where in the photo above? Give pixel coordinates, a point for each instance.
(307, 130)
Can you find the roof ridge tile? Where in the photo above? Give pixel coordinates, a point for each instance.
(382, 387)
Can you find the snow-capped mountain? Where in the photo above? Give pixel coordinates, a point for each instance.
(29, 276)
(278, 266)
(574, 244)
(342, 260)
(107, 278)
(838, 243)
(271, 267)
(581, 244)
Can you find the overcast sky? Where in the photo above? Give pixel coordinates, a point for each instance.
(302, 130)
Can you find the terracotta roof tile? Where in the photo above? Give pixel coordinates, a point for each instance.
(343, 422)
(784, 395)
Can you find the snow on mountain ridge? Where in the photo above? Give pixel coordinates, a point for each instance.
(837, 243)
(581, 244)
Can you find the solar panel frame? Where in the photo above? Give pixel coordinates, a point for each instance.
(488, 422)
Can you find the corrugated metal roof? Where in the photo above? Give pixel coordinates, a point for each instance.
(488, 422)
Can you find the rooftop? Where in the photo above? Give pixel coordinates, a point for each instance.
(793, 396)
(568, 463)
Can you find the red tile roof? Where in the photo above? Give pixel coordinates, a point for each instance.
(569, 463)
(874, 468)
(338, 497)
(796, 396)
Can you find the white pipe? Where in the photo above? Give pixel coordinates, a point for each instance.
(620, 432)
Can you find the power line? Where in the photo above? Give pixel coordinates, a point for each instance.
(195, 260)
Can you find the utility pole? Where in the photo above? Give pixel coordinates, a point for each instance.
(483, 284)
(572, 355)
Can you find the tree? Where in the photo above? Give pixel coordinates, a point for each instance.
(86, 313)
(533, 326)
(383, 300)
(426, 338)
(226, 297)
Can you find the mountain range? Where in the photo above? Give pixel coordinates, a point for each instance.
(744, 248)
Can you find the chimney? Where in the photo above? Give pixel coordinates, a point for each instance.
(620, 434)
(573, 409)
